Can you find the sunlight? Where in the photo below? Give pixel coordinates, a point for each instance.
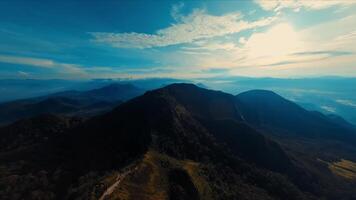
(280, 40)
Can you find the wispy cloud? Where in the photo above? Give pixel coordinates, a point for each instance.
(27, 61)
(195, 26)
(329, 53)
(231, 43)
(309, 56)
(289, 51)
(77, 71)
(328, 109)
(66, 68)
(175, 11)
(23, 74)
(296, 5)
(346, 102)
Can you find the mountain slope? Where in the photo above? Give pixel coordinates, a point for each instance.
(110, 93)
(315, 140)
(84, 103)
(171, 122)
(270, 111)
(178, 142)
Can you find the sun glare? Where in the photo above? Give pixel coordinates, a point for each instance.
(278, 41)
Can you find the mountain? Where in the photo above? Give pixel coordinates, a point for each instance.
(177, 142)
(110, 93)
(292, 125)
(329, 95)
(341, 121)
(322, 143)
(27, 133)
(267, 110)
(25, 88)
(83, 103)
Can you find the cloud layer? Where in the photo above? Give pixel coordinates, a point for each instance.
(277, 5)
(199, 43)
(195, 26)
(65, 68)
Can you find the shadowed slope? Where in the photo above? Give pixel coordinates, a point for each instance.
(195, 139)
(80, 103)
(268, 110)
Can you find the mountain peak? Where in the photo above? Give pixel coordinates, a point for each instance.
(116, 86)
(181, 86)
(260, 93)
(200, 101)
(266, 99)
(175, 87)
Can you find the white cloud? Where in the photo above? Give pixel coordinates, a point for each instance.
(42, 63)
(196, 26)
(346, 102)
(267, 4)
(212, 41)
(27, 61)
(23, 74)
(175, 12)
(76, 71)
(278, 41)
(328, 109)
(242, 40)
(296, 5)
(325, 49)
(210, 45)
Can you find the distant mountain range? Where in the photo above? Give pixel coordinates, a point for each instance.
(329, 95)
(83, 103)
(180, 142)
(16, 89)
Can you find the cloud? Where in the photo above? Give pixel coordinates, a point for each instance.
(23, 74)
(324, 49)
(77, 71)
(175, 12)
(242, 40)
(216, 70)
(187, 29)
(296, 5)
(27, 61)
(309, 56)
(330, 53)
(279, 40)
(211, 45)
(328, 109)
(327, 48)
(65, 68)
(346, 102)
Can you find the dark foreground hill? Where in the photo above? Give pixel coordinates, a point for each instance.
(178, 142)
(80, 103)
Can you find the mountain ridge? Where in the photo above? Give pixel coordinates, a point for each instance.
(265, 108)
(84, 103)
(180, 130)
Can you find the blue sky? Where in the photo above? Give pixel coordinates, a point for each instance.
(178, 39)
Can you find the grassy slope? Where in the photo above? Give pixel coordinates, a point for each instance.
(344, 168)
(150, 179)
